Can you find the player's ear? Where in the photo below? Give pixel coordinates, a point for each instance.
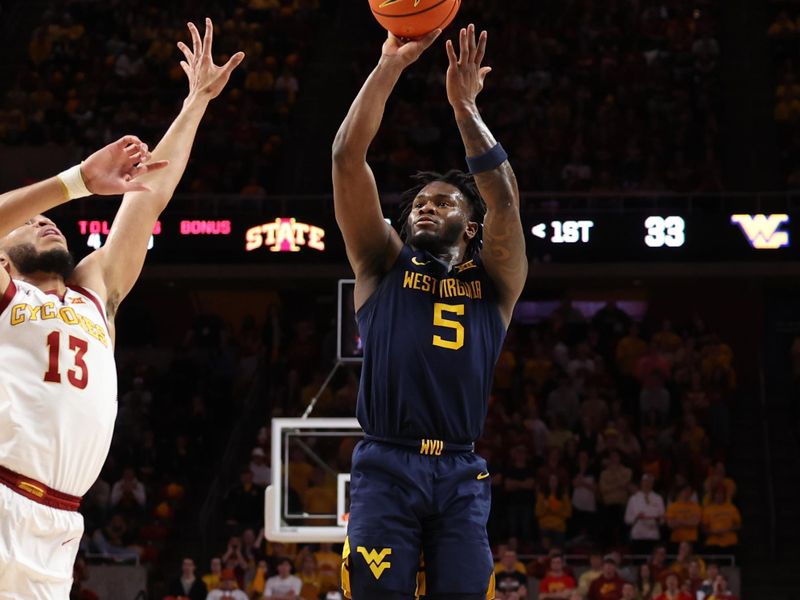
(472, 229)
(5, 262)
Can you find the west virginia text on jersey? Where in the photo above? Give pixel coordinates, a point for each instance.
(431, 340)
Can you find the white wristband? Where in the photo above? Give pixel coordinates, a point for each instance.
(73, 183)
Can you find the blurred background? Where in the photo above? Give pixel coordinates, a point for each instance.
(656, 346)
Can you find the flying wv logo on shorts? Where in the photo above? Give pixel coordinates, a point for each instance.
(375, 560)
(763, 231)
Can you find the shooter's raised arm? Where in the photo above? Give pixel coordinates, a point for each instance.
(372, 245)
(503, 251)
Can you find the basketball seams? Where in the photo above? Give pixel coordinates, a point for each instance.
(450, 16)
(412, 14)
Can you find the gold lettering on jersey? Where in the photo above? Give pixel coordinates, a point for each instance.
(31, 489)
(20, 313)
(470, 264)
(431, 447)
(442, 288)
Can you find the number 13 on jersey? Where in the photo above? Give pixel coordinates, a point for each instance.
(442, 314)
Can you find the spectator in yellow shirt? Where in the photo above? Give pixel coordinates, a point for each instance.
(312, 581)
(629, 350)
(553, 508)
(255, 589)
(721, 521)
(329, 564)
(320, 496)
(683, 562)
(587, 577)
(718, 477)
(539, 367)
(613, 486)
(214, 578)
(683, 517)
(508, 560)
(667, 341)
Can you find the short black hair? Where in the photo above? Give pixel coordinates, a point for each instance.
(465, 184)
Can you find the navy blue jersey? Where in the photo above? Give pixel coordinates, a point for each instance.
(431, 342)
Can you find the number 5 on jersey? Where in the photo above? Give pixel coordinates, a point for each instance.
(77, 376)
(456, 328)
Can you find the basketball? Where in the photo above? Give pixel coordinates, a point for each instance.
(414, 18)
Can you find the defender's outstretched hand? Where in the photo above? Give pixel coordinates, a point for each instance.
(407, 51)
(113, 169)
(465, 75)
(205, 78)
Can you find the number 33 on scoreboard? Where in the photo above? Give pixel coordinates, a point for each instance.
(439, 320)
(665, 231)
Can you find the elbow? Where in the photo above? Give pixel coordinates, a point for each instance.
(344, 154)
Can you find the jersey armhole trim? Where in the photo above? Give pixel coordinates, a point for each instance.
(9, 294)
(383, 278)
(93, 297)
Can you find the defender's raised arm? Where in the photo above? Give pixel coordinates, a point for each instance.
(503, 251)
(372, 245)
(114, 268)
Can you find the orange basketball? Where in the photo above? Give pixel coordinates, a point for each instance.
(414, 18)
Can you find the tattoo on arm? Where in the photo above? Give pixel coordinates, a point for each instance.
(475, 134)
(504, 241)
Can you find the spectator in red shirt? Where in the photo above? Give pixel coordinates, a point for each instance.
(721, 591)
(653, 369)
(609, 585)
(658, 561)
(673, 589)
(557, 585)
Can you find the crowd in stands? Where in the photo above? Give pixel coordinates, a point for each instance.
(784, 33)
(174, 408)
(253, 568)
(585, 96)
(97, 70)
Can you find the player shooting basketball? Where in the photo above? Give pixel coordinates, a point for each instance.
(433, 308)
(58, 385)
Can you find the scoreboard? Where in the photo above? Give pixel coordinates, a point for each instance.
(663, 237)
(191, 239)
(307, 236)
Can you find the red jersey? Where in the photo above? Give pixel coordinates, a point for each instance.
(556, 583)
(679, 596)
(604, 588)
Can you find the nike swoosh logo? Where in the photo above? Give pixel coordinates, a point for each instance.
(418, 262)
(390, 2)
(482, 476)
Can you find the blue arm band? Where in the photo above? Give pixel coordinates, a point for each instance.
(487, 162)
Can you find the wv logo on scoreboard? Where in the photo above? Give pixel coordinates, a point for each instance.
(764, 232)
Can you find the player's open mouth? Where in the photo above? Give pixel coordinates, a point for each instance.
(50, 232)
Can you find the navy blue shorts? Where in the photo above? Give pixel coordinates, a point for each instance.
(417, 525)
